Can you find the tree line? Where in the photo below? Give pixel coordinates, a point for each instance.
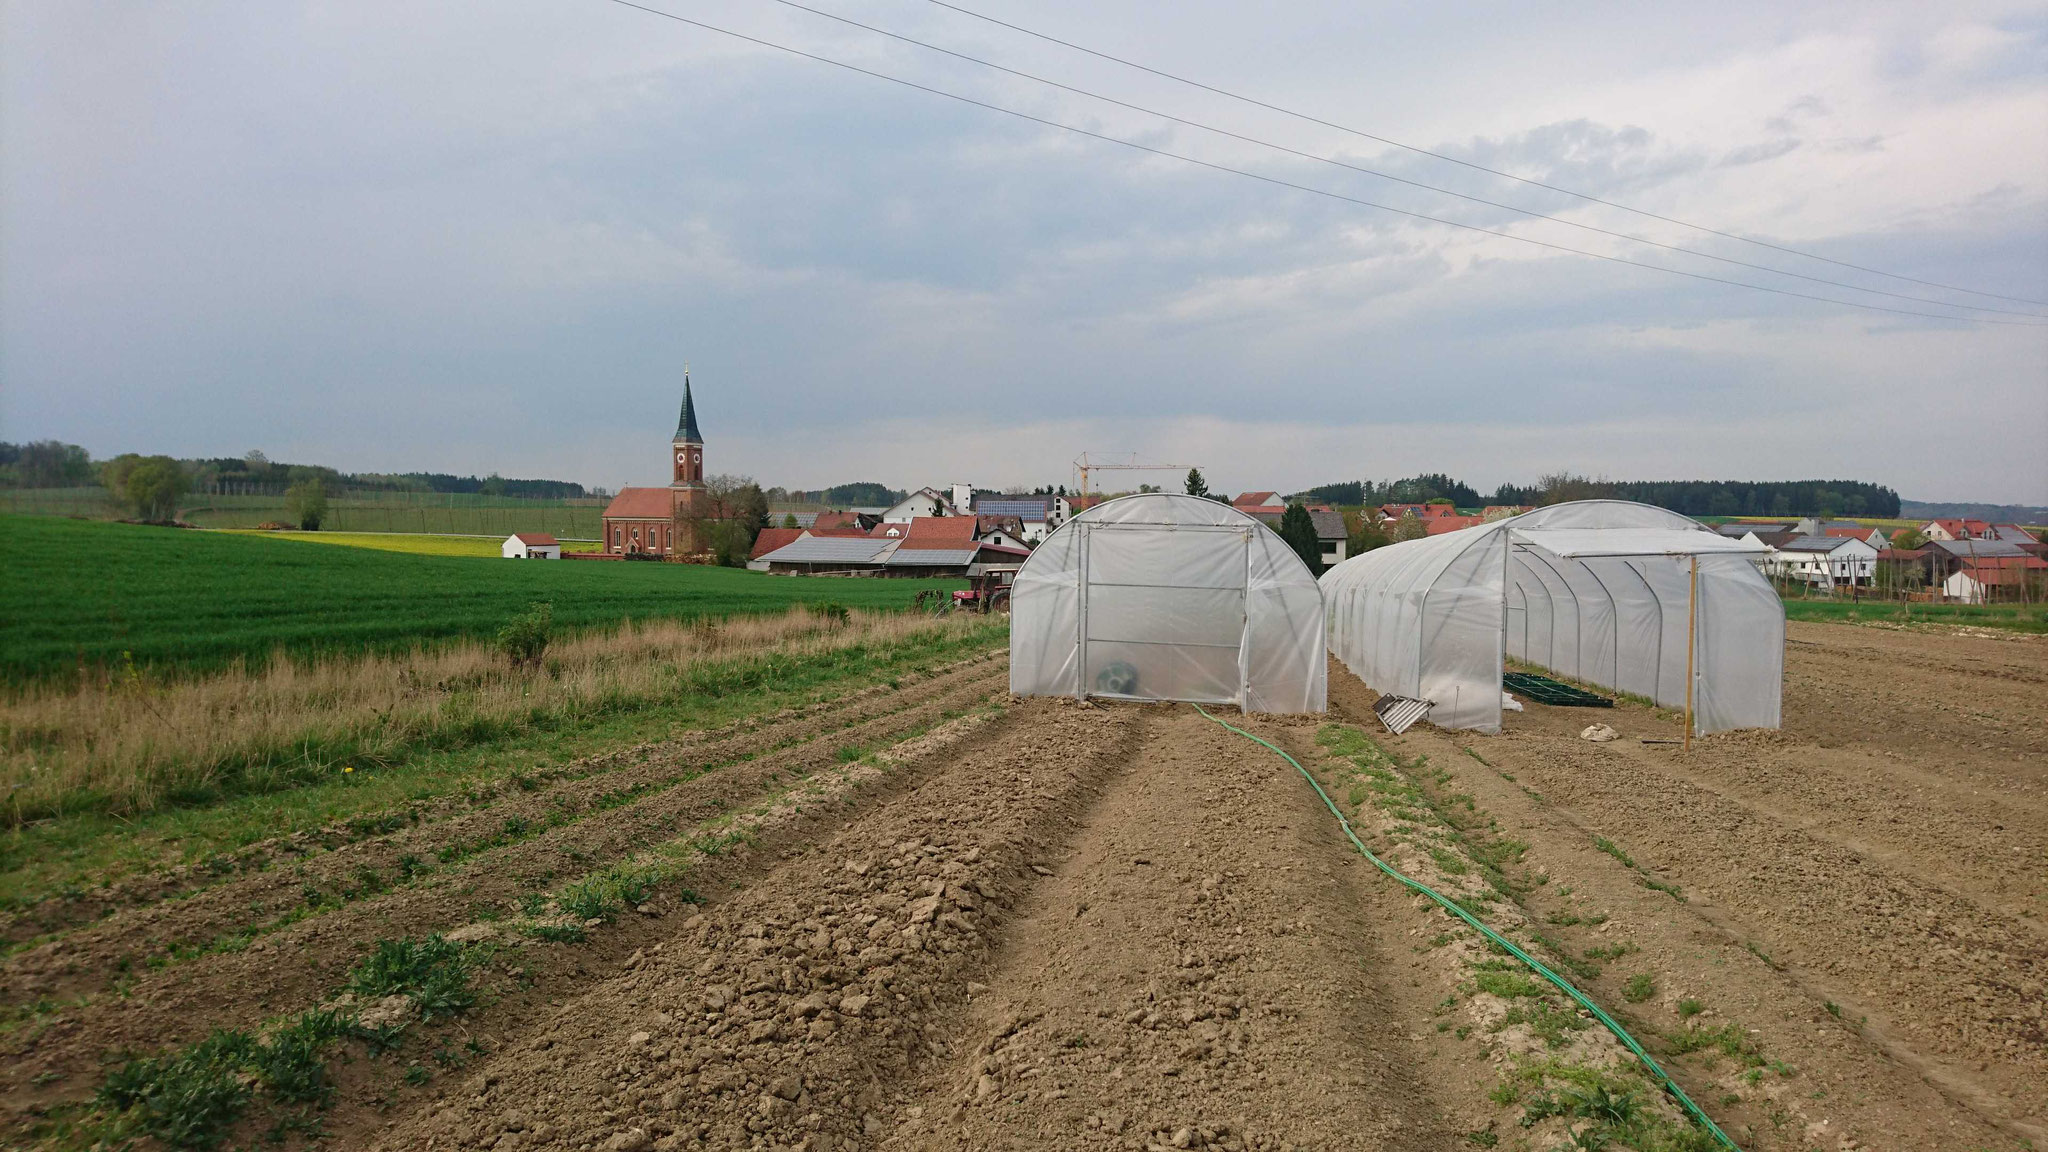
(1688, 497)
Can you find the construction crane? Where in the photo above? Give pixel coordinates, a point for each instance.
(1085, 465)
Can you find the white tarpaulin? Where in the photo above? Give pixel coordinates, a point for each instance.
(1168, 597)
(1596, 590)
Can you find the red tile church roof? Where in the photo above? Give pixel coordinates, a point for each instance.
(640, 504)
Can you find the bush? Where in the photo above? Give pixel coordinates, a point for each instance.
(526, 637)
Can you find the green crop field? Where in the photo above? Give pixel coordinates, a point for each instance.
(2010, 617)
(77, 593)
(412, 542)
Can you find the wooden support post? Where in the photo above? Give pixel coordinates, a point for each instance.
(1692, 618)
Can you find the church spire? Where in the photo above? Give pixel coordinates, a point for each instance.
(686, 424)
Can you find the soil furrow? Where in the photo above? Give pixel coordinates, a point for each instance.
(296, 966)
(380, 840)
(793, 1012)
(648, 788)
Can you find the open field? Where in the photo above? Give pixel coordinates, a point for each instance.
(2007, 617)
(80, 594)
(410, 542)
(920, 914)
(446, 513)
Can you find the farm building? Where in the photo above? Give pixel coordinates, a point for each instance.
(531, 546)
(926, 546)
(1983, 579)
(1168, 597)
(1613, 593)
(1825, 561)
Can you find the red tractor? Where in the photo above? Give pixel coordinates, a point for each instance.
(991, 591)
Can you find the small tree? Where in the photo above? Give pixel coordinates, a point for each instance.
(1363, 533)
(1908, 539)
(1298, 528)
(307, 501)
(1197, 486)
(149, 485)
(1409, 528)
(789, 520)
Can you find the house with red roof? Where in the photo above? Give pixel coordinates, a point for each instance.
(1955, 529)
(1438, 525)
(531, 546)
(1981, 579)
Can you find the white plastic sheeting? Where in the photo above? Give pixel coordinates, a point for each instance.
(1596, 590)
(1169, 597)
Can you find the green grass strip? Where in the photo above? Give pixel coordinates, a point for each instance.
(1655, 1070)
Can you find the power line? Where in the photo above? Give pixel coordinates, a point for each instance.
(1469, 164)
(1389, 176)
(1278, 182)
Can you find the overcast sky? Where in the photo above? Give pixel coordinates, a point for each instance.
(474, 236)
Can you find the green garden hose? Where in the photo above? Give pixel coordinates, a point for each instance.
(1656, 1071)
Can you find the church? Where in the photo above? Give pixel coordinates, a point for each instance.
(663, 521)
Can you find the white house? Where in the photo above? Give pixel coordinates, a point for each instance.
(1824, 560)
(531, 546)
(918, 505)
(1039, 514)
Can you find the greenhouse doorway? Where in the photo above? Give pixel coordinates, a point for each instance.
(1168, 597)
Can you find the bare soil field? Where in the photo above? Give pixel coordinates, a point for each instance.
(927, 915)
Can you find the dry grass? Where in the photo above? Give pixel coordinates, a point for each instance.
(126, 744)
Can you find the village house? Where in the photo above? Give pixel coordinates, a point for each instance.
(1333, 539)
(1979, 580)
(531, 546)
(1826, 561)
(1955, 529)
(1037, 514)
(1390, 513)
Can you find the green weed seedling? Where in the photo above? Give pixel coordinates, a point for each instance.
(1640, 987)
(433, 972)
(187, 1099)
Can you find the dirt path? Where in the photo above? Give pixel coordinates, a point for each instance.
(1206, 964)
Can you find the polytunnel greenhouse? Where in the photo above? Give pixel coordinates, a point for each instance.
(1167, 597)
(1622, 595)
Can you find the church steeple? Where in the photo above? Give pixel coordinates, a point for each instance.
(689, 451)
(686, 424)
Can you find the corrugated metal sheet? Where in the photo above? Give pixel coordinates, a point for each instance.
(1964, 549)
(1399, 713)
(831, 550)
(931, 557)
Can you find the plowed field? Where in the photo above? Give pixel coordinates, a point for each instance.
(932, 916)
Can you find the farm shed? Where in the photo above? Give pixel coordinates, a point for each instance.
(1609, 592)
(531, 546)
(1168, 597)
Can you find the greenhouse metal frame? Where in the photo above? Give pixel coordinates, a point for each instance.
(1626, 596)
(1161, 596)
